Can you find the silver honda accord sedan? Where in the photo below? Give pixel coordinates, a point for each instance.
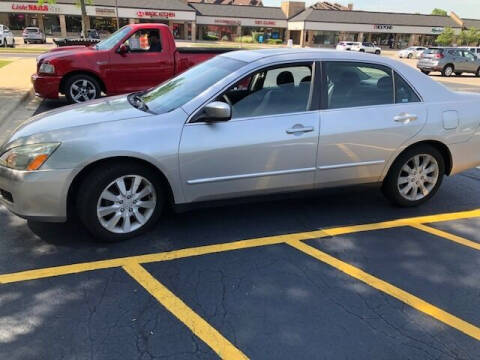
(243, 123)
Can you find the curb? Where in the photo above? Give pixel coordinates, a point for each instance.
(15, 103)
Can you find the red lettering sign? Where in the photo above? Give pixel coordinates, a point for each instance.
(265, 22)
(161, 14)
(30, 7)
(227, 22)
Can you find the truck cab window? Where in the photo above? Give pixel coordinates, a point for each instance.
(144, 41)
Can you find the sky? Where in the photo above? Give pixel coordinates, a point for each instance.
(464, 8)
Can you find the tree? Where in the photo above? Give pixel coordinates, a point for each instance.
(83, 8)
(439, 12)
(446, 37)
(470, 36)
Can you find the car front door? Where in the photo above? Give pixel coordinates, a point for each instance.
(144, 65)
(362, 124)
(269, 144)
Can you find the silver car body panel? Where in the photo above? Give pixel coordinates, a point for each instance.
(242, 156)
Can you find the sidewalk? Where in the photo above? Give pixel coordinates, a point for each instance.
(15, 85)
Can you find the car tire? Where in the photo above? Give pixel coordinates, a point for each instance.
(447, 70)
(377, 52)
(477, 74)
(81, 88)
(91, 198)
(425, 72)
(403, 188)
(410, 56)
(362, 50)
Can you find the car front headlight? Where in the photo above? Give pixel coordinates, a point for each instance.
(46, 68)
(27, 157)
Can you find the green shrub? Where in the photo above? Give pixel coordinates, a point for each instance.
(275, 41)
(244, 39)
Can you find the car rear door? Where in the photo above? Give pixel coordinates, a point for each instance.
(269, 145)
(470, 61)
(362, 123)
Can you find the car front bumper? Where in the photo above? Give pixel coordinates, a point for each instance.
(36, 195)
(46, 86)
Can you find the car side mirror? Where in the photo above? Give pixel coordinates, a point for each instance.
(217, 111)
(123, 49)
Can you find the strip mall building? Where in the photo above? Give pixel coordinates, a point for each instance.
(203, 21)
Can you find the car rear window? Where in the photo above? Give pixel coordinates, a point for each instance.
(434, 51)
(31, 30)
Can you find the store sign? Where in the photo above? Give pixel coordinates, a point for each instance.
(265, 22)
(227, 22)
(100, 11)
(34, 8)
(383, 27)
(437, 30)
(156, 14)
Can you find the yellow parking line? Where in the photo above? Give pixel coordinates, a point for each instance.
(185, 314)
(446, 235)
(236, 245)
(387, 288)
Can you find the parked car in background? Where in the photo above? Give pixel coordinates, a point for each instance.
(242, 123)
(135, 57)
(366, 47)
(33, 35)
(346, 45)
(412, 52)
(6, 37)
(449, 61)
(93, 34)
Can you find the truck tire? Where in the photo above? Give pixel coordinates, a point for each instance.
(81, 88)
(415, 176)
(120, 201)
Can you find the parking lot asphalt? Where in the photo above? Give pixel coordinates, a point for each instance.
(337, 274)
(328, 275)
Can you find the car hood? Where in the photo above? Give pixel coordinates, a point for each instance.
(64, 51)
(94, 112)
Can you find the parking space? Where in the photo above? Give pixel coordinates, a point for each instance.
(404, 286)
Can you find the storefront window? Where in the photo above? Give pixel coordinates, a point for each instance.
(325, 38)
(74, 24)
(104, 25)
(51, 23)
(262, 34)
(17, 21)
(216, 32)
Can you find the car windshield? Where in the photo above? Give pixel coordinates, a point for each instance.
(178, 91)
(113, 39)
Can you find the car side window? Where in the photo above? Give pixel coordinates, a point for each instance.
(144, 41)
(469, 55)
(351, 84)
(279, 90)
(404, 92)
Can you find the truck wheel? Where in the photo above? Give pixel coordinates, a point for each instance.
(415, 176)
(81, 88)
(447, 70)
(120, 201)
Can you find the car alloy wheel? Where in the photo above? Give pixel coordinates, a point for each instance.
(448, 71)
(126, 204)
(418, 177)
(82, 90)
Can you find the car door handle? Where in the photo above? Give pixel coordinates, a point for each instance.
(299, 129)
(405, 118)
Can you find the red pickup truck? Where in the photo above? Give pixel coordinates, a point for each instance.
(136, 57)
